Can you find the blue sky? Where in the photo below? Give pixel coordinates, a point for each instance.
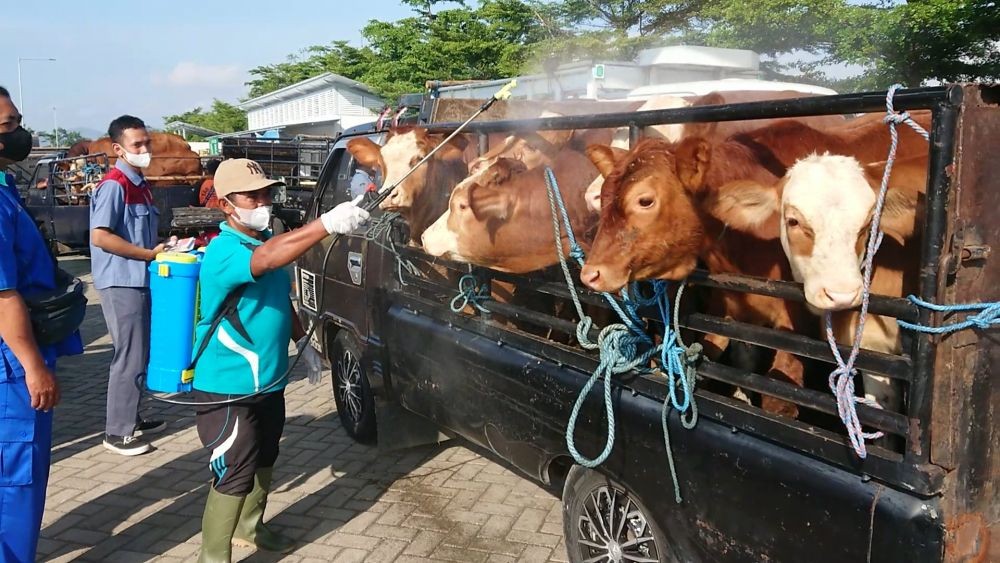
(152, 58)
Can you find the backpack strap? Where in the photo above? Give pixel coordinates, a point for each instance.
(227, 308)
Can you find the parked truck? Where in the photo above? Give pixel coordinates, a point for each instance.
(754, 486)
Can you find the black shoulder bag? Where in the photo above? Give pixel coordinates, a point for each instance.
(55, 313)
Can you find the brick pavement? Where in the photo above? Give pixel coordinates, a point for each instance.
(344, 501)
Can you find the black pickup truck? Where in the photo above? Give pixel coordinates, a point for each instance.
(755, 487)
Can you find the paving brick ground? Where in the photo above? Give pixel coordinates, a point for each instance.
(343, 501)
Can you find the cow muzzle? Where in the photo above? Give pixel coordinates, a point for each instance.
(601, 278)
(834, 299)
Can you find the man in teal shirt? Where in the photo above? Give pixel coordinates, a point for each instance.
(246, 356)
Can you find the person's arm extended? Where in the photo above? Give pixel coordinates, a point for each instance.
(106, 239)
(15, 329)
(283, 249)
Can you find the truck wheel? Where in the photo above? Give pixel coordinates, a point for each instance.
(351, 389)
(604, 521)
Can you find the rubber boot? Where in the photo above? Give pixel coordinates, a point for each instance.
(222, 512)
(251, 531)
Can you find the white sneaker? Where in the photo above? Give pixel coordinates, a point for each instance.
(126, 445)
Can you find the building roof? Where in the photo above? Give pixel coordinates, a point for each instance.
(182, 126)
(307, 86)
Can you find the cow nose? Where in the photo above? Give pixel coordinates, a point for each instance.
(589, 275)
(841, 299)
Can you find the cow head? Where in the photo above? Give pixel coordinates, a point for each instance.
(478, 207)
(532, 149)
(500, 217)
(649, 225)
(404, 147)
(827, 203)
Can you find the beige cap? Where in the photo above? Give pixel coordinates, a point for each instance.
(241, 175)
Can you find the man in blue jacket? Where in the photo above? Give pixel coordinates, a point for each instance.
(28, 386)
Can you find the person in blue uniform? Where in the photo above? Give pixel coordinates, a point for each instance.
(246, 356)
(28, 386)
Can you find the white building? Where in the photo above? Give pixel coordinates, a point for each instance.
(323, 105)
(654, 71)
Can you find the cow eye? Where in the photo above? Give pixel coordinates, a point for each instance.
(414, 161)
(646, 202)
(792, 222)
(463, 206)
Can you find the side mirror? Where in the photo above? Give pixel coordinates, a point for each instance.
(279, 195)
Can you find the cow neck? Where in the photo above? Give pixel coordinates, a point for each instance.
(714, 246)
(762, 153)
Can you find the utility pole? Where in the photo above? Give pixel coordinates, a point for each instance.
(20, 90)
(55, 123)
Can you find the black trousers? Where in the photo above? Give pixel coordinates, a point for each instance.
(243, 437)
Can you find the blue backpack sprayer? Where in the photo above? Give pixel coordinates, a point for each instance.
(174, 293)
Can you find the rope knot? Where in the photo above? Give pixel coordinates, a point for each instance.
(471, 291)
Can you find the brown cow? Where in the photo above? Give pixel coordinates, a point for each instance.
(653, 225)
(423, 196)
(825, 211)
(172, 157)
(724, 129)
(500, 217)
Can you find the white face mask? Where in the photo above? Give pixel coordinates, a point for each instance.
(258, 219)
(138, 160)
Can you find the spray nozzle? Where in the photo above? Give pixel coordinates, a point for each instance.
(504, 93)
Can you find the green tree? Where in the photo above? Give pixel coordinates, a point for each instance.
(222, 117)
(454, 43)
(610, 29)
(65, 138)
(887, 40)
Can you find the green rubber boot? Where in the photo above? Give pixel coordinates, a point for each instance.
(217, 526)
(251, 531)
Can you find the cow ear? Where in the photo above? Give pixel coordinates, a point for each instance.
(365, 152)
(489, 203)
(748, 207)
(603, 157)
(899, 214)
(454, 149)
(692, 159)
(502, 170)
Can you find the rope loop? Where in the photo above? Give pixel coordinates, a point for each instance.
(987, 317)
(471, 291)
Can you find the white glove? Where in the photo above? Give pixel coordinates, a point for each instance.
(344, 218)
(312, 360)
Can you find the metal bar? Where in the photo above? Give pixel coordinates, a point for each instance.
(896, 367)
(634, 133)
(810, 440)
(942, 141)
(792, 291)
(886, 421)
(484, 143)
(909, 99)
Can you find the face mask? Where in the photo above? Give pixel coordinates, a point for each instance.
(16, 145)
(258, 219)
(138, 160)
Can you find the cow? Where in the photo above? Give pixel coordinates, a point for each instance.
(653, 225)
(423, 196)
(500, 217)
(172, 157)
(826, 205)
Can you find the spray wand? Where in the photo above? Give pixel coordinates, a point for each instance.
(383, 193)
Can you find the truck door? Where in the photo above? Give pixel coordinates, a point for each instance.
(343, 293)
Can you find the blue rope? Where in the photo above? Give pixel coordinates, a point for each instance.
(470, 292)
(988, 316)
(620, 345)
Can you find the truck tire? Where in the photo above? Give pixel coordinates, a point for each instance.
(351, 389)
(587, 495)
